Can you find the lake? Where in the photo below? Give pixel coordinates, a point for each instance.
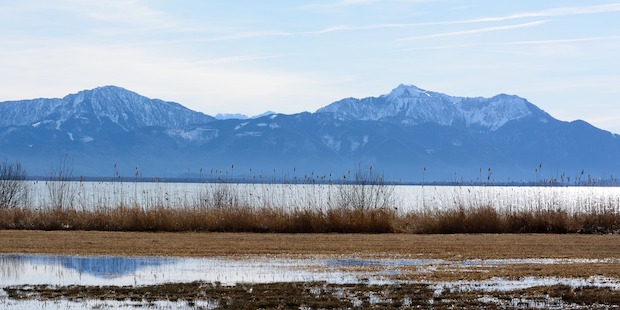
(88, 195)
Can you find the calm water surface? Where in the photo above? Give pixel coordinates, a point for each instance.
(20, 269)
(290, 196)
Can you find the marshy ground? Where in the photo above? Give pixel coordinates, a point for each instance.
(477, 270)
(318, 295)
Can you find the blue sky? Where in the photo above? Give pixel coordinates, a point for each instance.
(293, 56)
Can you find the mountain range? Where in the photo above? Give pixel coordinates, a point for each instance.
(409, 135)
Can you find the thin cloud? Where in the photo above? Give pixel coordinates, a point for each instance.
(474, 31)
(440, 47)
(565, 11)
(348, 3)
(575, 40)
(339, 28)
(554, 12)
(249, 35)
(232, 59)
(337, 4)
(533, 42)
(343, 28)
(108, 18)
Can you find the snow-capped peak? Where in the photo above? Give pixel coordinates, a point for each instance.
(406, 91)
(411, 105)
(108, 108)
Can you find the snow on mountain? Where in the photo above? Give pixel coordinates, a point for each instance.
(494, 112)
(410, 105)
(110, 125)
(224, 116)
(108, 107)
(266, 113)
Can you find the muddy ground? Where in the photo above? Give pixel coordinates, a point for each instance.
(318, 295)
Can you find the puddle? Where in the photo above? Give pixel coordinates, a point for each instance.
(59, 270)
(104, 304)
(500, 284)
(139, 271)
(526, 303)
(463, 263)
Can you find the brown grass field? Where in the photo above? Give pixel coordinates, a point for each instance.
(198, 244)
(416, 291)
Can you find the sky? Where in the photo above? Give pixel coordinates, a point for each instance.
(292, 56)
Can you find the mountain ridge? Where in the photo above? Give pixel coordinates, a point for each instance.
(398, 133)
(420, 106)
(110, 108)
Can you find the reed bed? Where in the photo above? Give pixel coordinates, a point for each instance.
(237, 219)
(364, 204)
(487, 219)
(230, 213)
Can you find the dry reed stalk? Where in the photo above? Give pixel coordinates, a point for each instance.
(338, 220)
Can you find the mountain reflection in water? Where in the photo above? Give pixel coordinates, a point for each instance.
(107, 267)
(17, 269)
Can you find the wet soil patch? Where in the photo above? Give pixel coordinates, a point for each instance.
(321, 295)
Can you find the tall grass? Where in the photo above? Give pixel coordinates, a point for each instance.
(13, 189)
(309, 220)
(364, 204)
(489, 219)
(214, 220)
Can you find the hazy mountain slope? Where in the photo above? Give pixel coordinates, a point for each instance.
(503, 138)
(102, 110)
(410, 105)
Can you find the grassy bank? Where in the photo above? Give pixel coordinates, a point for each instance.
(310, 220)
(362, 204)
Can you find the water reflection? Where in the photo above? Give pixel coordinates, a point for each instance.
(98, 266)
(117, 270)
(53, 269)
(354, 262)
(16, 269)
(58, 270)
(108, 267)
